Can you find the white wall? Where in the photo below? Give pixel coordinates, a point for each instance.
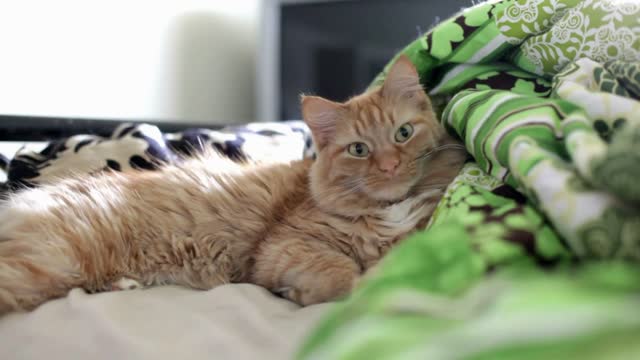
(190, 60)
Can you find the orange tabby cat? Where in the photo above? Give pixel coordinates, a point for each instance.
(307, 230)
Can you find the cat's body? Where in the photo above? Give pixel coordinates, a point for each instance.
(307, 230)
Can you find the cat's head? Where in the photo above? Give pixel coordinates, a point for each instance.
(374, 144)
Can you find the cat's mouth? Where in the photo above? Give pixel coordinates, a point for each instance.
(392, 190)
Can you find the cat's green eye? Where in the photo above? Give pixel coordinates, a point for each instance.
(358, 149)
(404, 133)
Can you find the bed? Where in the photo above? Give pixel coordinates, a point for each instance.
(237, 321)
(532, 253)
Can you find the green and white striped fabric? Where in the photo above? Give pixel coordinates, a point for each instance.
(533, 252)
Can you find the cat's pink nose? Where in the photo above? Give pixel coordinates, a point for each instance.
(389, 166)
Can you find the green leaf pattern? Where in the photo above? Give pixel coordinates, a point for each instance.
(544, 224)
(601, 30)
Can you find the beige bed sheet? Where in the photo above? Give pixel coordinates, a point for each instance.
(238, 321)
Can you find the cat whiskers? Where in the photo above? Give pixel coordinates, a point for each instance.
(349, 187)
(440, 148)
(423, 188)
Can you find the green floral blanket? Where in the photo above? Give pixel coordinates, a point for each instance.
(533, 251)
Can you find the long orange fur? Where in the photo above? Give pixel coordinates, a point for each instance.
(306, 229)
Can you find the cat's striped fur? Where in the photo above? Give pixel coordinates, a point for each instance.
(306, 229)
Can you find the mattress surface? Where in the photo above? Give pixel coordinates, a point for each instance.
(237, 321)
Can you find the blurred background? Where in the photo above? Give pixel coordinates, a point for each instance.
(197, 61)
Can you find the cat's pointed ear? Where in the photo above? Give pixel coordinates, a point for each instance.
(402, 80)
(321, 115)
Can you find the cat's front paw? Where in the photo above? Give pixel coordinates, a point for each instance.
(355, 282)
(305, 297)
(310, 295)
(125, 284)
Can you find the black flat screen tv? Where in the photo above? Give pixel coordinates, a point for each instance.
(334, 48)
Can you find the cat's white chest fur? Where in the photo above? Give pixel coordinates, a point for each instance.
(389, 224)
(404, 216)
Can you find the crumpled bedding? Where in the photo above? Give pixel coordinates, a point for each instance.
(144, 147)
(236, 321)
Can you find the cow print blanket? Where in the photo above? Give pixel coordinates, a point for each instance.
(144, 147)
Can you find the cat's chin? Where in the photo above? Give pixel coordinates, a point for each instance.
(390, 192)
